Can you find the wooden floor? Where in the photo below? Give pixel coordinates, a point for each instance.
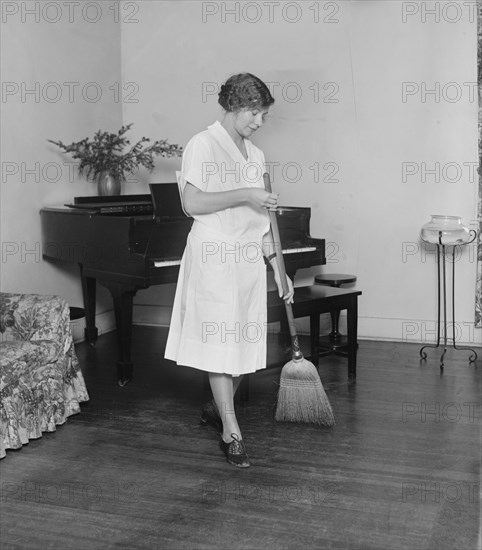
(400, 470)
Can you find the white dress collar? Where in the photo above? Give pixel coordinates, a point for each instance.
(226, 141)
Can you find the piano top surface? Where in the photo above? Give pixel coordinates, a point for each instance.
(281, 210)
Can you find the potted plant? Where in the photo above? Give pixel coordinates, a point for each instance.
(106, 160)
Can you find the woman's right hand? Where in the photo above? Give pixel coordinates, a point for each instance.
(262, 199)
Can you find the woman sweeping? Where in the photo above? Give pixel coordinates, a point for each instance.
(219, 317)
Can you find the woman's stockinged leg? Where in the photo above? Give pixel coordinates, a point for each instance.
(224, 387)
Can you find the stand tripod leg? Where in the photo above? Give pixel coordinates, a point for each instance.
(423, 355)
(444, 279)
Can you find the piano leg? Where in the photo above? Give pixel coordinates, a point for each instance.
(89, 292)
(122, 296)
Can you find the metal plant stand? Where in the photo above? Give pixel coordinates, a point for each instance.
(441, 280)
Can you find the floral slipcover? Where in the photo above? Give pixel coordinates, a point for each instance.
(41, 384)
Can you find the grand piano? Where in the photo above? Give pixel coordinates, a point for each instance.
(127, 245)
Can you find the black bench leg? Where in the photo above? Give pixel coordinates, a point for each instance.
(315, 338)
(352, 322)
(244, 389)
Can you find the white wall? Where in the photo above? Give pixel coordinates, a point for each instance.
(41, 54)
(358, 54)
(371, 217)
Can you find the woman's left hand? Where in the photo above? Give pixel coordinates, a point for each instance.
(288, 297)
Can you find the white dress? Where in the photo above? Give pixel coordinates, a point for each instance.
(219, 317)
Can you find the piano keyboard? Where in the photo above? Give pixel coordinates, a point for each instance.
(163, 263)
(168, 263)
(298, 250)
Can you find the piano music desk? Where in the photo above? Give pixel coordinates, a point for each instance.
(312, 301)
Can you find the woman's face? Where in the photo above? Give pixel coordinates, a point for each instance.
(247, 121)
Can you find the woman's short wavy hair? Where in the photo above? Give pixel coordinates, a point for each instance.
(244, 91)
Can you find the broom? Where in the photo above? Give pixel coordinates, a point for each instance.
(301, 397)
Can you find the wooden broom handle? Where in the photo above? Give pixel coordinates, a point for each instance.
(295, 347)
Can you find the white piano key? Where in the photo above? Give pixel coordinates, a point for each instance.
(297, 250)
(167, 263)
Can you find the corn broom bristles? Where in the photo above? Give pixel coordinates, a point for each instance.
(301, 397)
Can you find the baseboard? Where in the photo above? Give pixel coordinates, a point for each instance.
(105, 322)
(418, 331)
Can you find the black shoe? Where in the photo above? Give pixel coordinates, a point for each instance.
(235, 452)
(210, 415)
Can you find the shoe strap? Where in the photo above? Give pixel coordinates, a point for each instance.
(236, 446)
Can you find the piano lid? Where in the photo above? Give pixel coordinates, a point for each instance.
(125, 205)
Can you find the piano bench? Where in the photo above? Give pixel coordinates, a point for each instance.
(312, 301)
(334, 342)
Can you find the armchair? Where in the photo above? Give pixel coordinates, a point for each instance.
(41, 383)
